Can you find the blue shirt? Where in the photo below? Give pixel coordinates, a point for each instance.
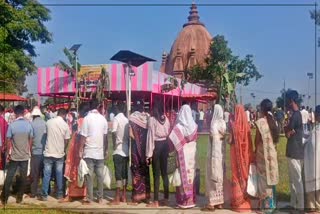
(20, 131)
(39, 132)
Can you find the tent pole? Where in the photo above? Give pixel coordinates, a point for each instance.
(164, 103)
(151, 102)
(171, 101)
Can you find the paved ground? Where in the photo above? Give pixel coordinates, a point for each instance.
(76, 206)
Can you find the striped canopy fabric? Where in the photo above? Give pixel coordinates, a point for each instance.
(53, 81)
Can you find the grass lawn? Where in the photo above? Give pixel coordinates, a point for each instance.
(282, 187)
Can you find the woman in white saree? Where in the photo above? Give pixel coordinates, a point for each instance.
(215, 160)
(312, 167)
(184, 136)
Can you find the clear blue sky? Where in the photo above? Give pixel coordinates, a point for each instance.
(280, 38)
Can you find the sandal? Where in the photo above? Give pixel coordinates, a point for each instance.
(164, 202)
(86, 202)
(153, 205)
(219, 207)
(208, 208)
(133, 203)
(114, 203)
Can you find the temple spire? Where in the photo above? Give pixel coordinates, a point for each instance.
(193, 18)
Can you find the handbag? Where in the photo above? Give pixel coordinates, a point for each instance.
(252, 184)
(175, 178)
(107, 177)
(171, 162)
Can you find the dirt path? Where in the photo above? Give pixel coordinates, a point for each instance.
(76, 206)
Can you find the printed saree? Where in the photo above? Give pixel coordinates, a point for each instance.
(140, 171)
(183, 137)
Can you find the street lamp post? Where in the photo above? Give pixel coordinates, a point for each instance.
(130, 59)
(75, 49)
(254, 99)
(310, 76)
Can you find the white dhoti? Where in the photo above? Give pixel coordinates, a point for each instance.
(296, 183)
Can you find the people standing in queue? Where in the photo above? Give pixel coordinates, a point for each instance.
(184, 138)
(58, 135)
(311, 167)
(295, 151)
(94, 149)
(157, 152)
(241, 157)
(267, 136)
(215, 160)
(120, 138)
(39, 140)
(19, 140)
(141, 188)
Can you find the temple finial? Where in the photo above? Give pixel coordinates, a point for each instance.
(193, 18)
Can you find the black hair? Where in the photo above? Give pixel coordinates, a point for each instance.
(120, 107)
(19, 110)
(1, 109)
(94, 104)
(83, 109)
(62, 112)
(303, 107)
(266, 107)
(292, 95)
(139, 106)
(317, 111)
(158, 111)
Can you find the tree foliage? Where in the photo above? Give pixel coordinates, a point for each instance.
(224, 70)
(69, 67)
(103, 84)
(21, 25)
(280, 100)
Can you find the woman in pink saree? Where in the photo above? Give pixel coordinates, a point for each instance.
(183, 137)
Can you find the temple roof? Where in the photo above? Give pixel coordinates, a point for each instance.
(191, 46)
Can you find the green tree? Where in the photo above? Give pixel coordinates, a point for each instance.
(224, 71)
(69, 67)
(280, 100)
(103, 85)
(21, 25)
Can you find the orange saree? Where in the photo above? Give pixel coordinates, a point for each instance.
(71, 167)
(241, 155)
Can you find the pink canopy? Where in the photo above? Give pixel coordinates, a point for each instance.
(53, 81)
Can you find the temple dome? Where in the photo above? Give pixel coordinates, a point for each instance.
(191, 46)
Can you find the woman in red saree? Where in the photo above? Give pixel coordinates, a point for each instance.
(73, 160)
(241, 156)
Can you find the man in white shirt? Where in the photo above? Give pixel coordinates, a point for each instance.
(201, 119)
(248, 115)
(226, 116)
(58, 135)
(305, 118)
(94, 149)
(120, 138)
(111, 116)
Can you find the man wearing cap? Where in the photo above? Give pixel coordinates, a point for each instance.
(39, 140)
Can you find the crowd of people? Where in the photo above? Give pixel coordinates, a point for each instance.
(56, 144)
